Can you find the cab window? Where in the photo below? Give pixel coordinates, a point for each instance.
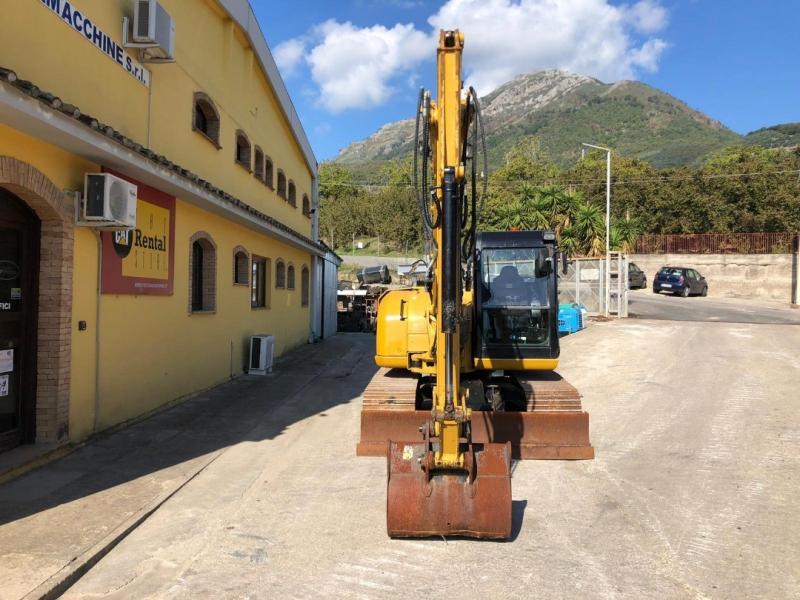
(515, 297)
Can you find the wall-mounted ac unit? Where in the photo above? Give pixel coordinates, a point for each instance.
(153, 27)
(108, 202)
(262, 350)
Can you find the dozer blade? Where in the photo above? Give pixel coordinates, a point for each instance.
(533, 435)
(449, 504)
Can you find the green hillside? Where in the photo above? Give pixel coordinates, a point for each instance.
(778, 136)
(562, 110)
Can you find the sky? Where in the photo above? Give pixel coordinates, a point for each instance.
(352, 66)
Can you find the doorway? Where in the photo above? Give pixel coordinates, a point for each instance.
(19, 268)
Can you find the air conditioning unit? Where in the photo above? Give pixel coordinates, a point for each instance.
(262, 350)
(153, 26)
(108, 202)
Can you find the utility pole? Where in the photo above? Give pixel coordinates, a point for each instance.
(608, 219)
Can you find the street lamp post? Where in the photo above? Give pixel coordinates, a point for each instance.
(608, 218)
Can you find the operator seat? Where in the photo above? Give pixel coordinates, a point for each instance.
(509, 288)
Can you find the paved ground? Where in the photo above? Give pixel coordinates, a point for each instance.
(63, 511)
(647, 305)
(693, 493)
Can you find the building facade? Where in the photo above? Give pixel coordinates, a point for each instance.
(98, 327)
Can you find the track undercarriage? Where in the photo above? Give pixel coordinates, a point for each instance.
(538, 413)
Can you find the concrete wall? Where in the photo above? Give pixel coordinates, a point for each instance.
(766, 276)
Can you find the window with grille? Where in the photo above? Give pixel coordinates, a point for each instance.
(258, 168)
(242, 150)
(202, 274)
(281, 184)
(280, 275)
(268, 173)
(206, 118)
(240, 267)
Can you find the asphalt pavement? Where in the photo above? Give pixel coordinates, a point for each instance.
(644, 304)
(693, 493)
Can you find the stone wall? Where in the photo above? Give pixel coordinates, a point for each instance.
(765, 276)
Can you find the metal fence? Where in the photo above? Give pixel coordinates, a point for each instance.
(585, 283)
(717, 243)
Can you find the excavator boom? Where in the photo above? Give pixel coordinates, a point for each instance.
(445, 484)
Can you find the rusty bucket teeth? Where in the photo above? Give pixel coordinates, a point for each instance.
(448, 503)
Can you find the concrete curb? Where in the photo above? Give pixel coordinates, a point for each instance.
(60, 582)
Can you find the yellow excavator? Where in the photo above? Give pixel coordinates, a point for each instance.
(468, 355)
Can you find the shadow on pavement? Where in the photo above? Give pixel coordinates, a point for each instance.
(517, 517)
(246, 409)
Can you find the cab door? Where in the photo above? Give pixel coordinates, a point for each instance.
(19, 265)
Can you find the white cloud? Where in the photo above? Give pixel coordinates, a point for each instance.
(505, 38)
(288, 55)
(354, 67)
(647, 16)
(647, 56)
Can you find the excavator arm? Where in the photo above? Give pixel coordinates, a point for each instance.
(446, 484)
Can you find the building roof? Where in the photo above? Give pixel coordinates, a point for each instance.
(53, 104)
(242, 13)
(330, 251)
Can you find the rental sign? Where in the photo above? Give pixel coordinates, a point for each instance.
(82, 24)
(141, 261)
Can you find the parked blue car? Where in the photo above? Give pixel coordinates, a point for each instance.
(680, 281)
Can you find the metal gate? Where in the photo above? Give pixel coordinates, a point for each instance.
(590, 281)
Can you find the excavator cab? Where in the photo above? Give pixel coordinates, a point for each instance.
(516, 297)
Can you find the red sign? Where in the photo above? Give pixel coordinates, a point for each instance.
(141, 261)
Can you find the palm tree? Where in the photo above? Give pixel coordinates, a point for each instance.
(568, 204)
(539, 212)
(568, 241)
(512, 215)
(590, 230)
(628, 231)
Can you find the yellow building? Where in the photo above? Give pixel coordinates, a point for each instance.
(98, 326)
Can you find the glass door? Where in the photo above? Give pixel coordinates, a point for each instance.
(18, 234)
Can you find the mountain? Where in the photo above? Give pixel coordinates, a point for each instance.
(777, 136)
(562, 110)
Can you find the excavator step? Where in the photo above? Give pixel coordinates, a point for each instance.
(554, 427)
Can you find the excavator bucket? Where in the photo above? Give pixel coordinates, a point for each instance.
(475, 503)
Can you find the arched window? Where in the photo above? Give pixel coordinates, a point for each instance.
(306, 206)
(202, 273)
(280, 274)
(241, 266)
(290, 277)
(205, 118)
(304, 284)
(268, 174)
(242, 150)
(258, 168)
(292, 193)
(281, 184)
